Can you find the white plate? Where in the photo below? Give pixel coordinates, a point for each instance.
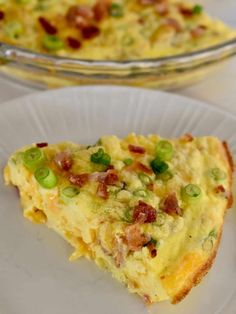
(35, 275)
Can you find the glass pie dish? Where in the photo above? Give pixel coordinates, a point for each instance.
(48, 71)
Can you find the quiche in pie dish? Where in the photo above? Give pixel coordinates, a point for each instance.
(147, 209)
(110, 29)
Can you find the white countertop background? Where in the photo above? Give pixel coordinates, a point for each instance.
(219, 89)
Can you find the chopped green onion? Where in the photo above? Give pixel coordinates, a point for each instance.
(100, 157)
(207, 244)
(165, 176)
(144, 178)
(128, 217)
(52, 42)
(217, 174)
(114, 189)
(116, 10)
(33, 158)
(159, 166)
(164, 150)
(13, 29)
(191, 191)
(70, 191)
(46, 177)
(140, 193)
(197, 9)
(213, 233)
(160, 220)
(128, 161)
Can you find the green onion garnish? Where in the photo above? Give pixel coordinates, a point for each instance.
(46, 177)
(52, 43)
(197, 9)
(70, 191)
(144, 178)
(164, 150)
(140, 193)
(213, 233)
(165, 176)
(100, 157)
(191, 191)
(158, 166)
(33, 158)
(13, 29)
(128, 161)
(160, 220)
(128, 217)
(217, 174)
(207, 244)
(116, 10)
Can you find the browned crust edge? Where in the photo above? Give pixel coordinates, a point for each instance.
(198, 276)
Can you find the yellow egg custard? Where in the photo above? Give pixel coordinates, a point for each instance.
(110, 29)
(147, 209)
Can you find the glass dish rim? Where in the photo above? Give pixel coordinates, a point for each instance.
(12, 52)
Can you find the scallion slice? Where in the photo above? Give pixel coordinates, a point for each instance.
(140, 193)
(164, 150)
(128, 215)
(100, 157)
(52, 43)
(165, 176)
(197, 9)
(33, 158)
(191, 192)
(159, 166)
(217, 174)
(144, 178)
(128, 161)
(70, 191)
(46, 177)
(160, 220)
(116, 10)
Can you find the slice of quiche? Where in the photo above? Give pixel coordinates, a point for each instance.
(147, 209)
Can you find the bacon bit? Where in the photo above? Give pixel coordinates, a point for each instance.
(144, 213)
(187, 137)
(134, 239)
(47, 26)
(150, 187)
(40, 145)
(90, 32)
(187, 12)
(162, 8)
(171, 206)
(73, 43)
(120, 251)
(174, 24)
(198, 31)
(102, 191)
(63, 160)
(219, 189)
(138, 166)
(100, 9)
(110, 167)
(111, 178)
(78, 179)
(152, 249)
(136, 149)
(147, 299)
(2, 15)
(79, 16)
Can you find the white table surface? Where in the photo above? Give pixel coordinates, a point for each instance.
(219, 89)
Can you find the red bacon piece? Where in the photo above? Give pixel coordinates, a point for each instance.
(102, 191)
(144, 213)
(174, 24)
(40, 145)
(138, 166)
(100, 9)
(111, 178)
(89, 32)
(2, 15)
(219, 189)
(171, 206)
(78, 179)
(79, 16)
(47, 26)
(187, 12)
(73, 43)
(136, 149)
(63, 160)
(147, 2)
(134, 238)
(198, 31)
(152, 249)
